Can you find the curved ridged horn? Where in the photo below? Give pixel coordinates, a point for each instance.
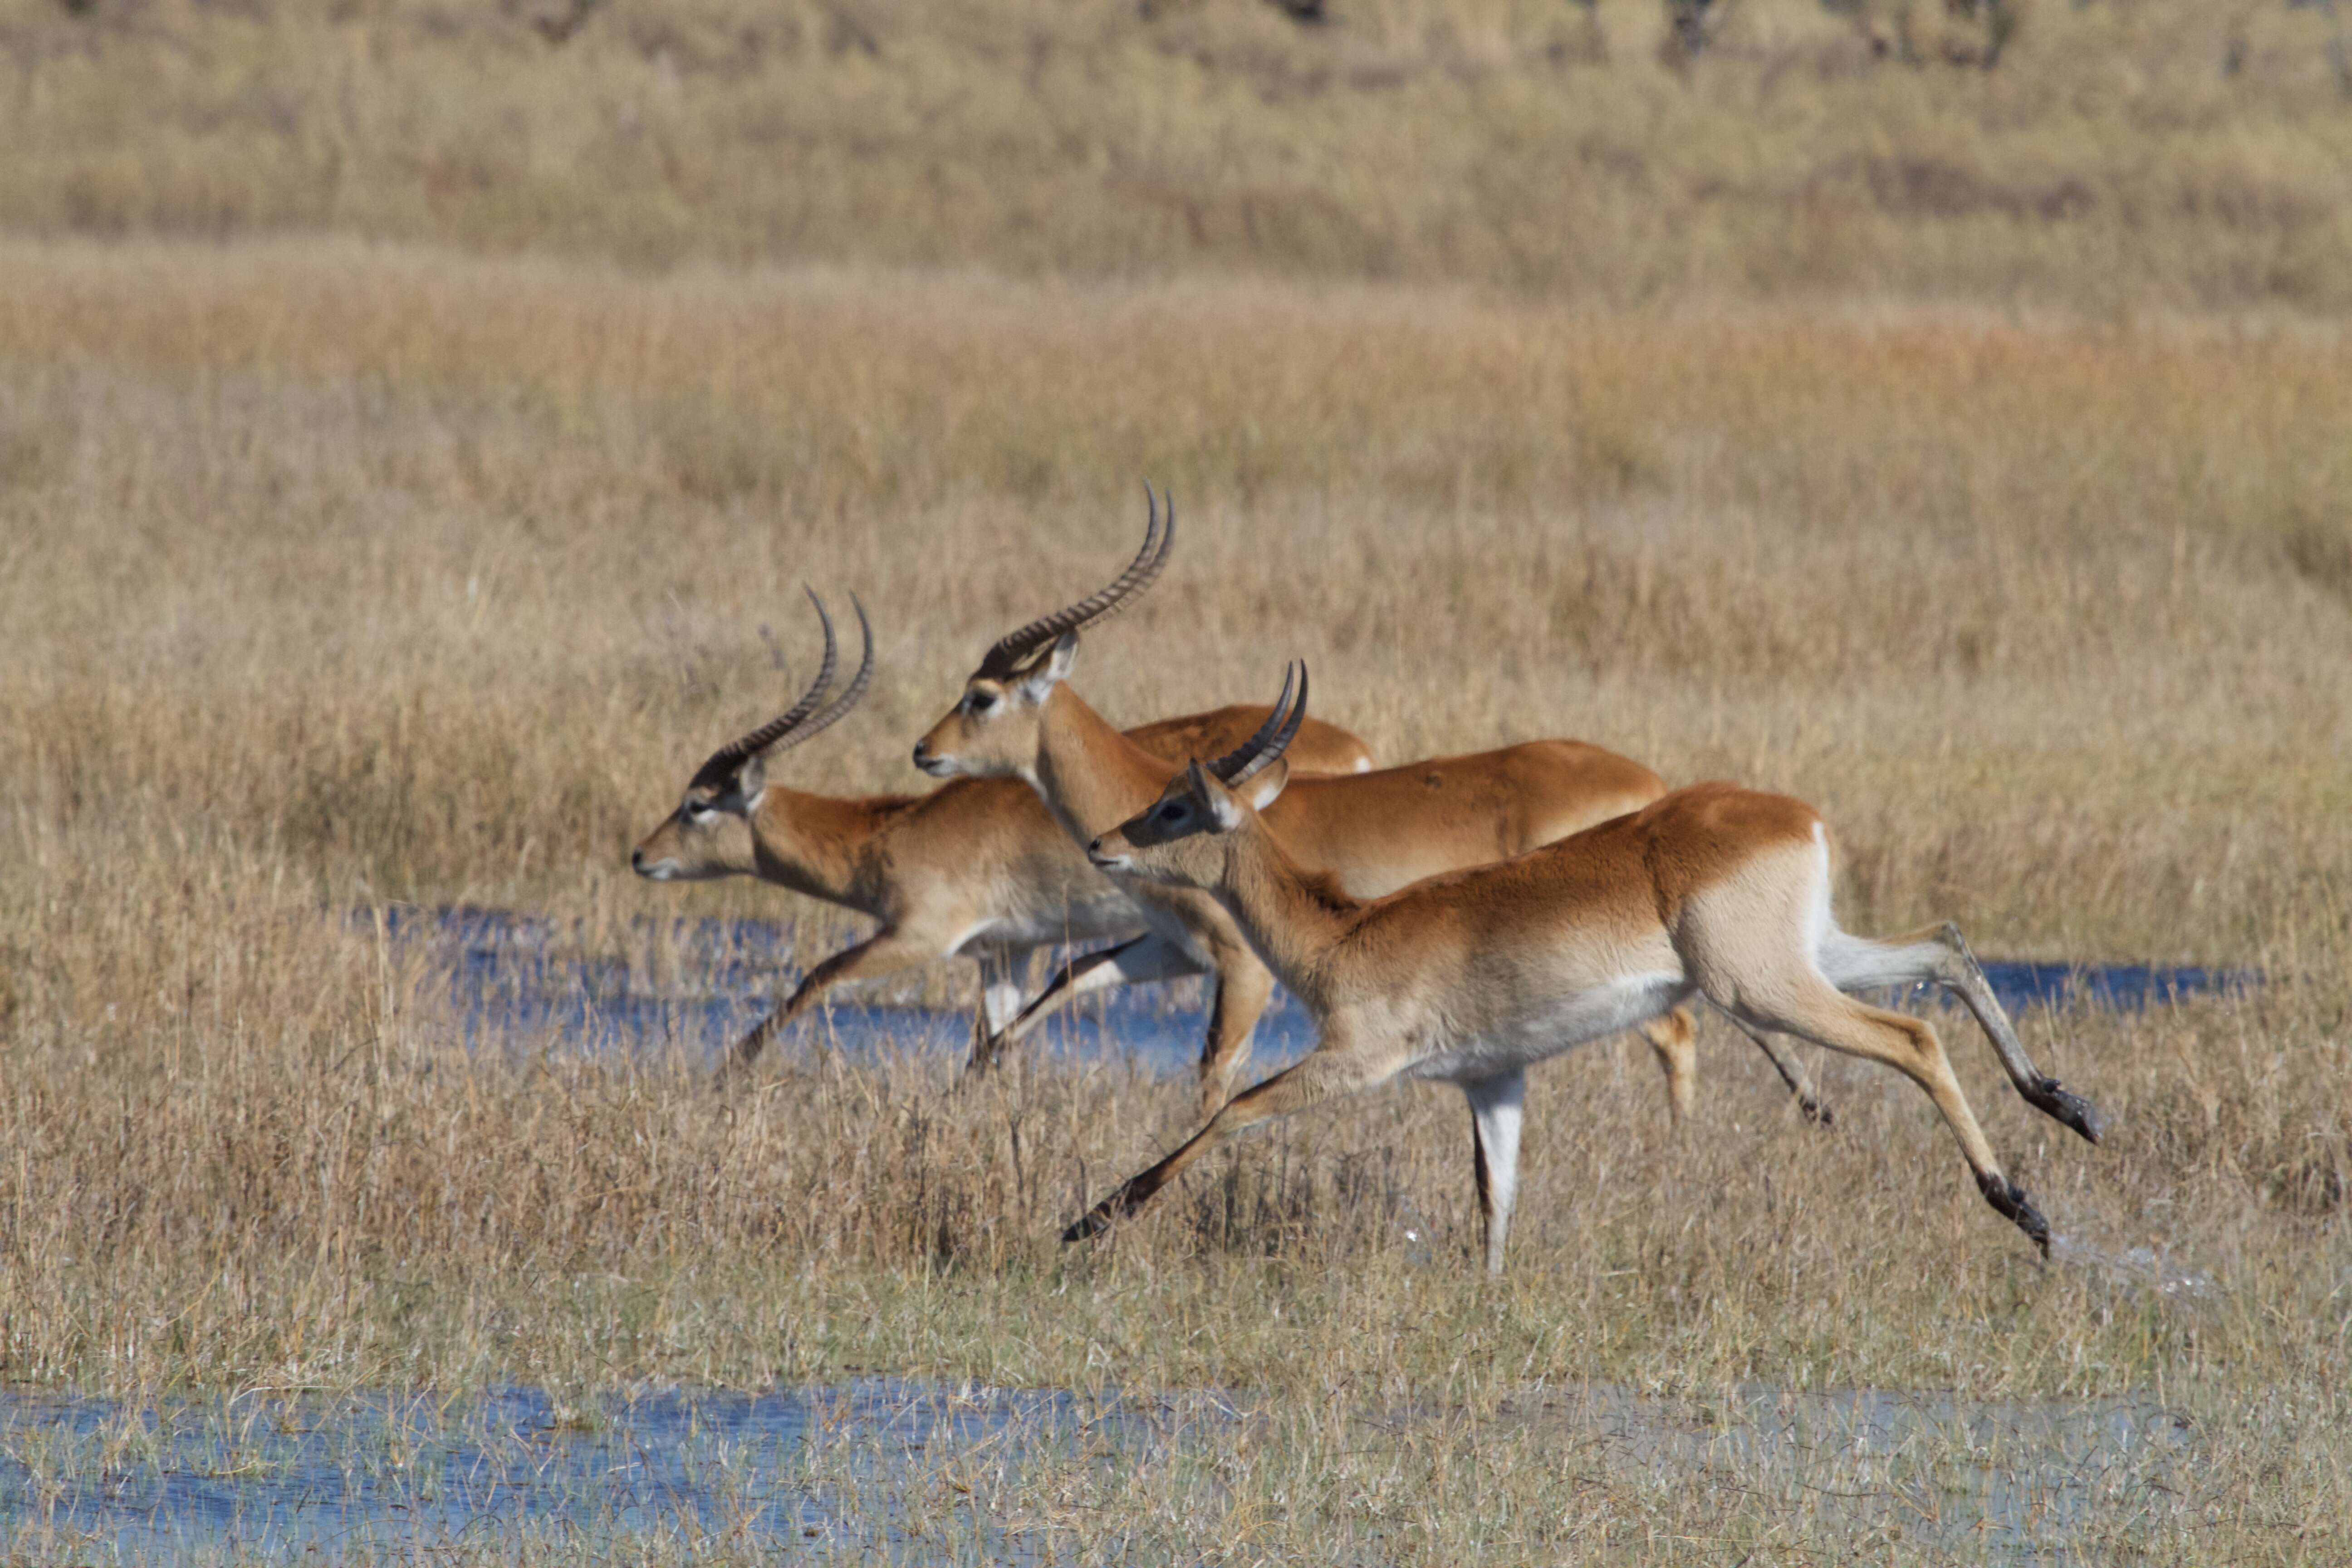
(724, 760)
(1122, 591)
(849, 694)
(1273, 737)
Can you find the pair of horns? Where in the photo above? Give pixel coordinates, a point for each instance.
(1012, 648)
(804, 719)
(1274, 737)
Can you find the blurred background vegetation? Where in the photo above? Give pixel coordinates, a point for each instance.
(2107, 157)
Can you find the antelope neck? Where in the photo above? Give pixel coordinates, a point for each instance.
(1294, 919)
(811, 843)
(1090, 775)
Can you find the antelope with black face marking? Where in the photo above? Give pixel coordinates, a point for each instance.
(1373, 832)
(1713, 892)
(974, 869)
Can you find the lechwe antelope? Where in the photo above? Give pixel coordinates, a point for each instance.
(1374, 832)
(976, 868)
(1713, 892)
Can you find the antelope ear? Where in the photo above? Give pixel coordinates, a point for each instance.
(1053, 669)
(1265, 789)
(750, 782)
(1216, 800)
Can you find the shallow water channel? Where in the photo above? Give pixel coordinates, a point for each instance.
(517, 977)
(909, 1472)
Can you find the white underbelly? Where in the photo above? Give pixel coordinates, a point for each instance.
(1082, 919)
(1589, 1015)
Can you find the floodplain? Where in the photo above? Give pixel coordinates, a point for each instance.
(364, 563)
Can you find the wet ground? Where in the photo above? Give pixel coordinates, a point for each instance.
(882, 1468)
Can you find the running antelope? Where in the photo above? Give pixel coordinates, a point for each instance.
(976, 868)
(1373, 832)
(1713, 892)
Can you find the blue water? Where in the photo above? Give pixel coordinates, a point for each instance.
(519, 978)
(280, 1476)
(518, 975)
(883, 1469)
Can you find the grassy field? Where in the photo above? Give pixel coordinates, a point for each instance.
(2127, 156)
(339, 574)
(413, 436)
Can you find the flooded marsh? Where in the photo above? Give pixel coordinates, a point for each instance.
(1297, 1363)
(881, 1469)
(365, 1190)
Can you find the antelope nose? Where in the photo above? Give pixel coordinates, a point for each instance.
(923, 752)
(637, 860)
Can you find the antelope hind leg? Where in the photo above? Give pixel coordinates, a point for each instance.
(1828, 1018)
(1132, 962)
(1674, 1039)
(1941, 955)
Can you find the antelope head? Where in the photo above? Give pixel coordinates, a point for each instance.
(709, 834)
(992, 731)
(1182, 837)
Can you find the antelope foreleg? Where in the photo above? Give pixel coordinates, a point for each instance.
(1132, 962)
(1243, 987)
(1792, 1073)
(1310, 1082)
(880, 954)
(1496, 1104)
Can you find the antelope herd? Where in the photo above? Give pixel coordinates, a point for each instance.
(1457, 919)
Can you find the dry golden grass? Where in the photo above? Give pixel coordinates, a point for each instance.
(2159, 154)
(333, 573)
(1964, 451)
(345, 1200)
(468, 560)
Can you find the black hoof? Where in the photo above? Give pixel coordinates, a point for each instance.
(2066, 1109)
(2009, 1200)
(1817, 1113)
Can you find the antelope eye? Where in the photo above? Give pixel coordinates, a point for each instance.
(1172, 812)
(979, 701)
(699, 811)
